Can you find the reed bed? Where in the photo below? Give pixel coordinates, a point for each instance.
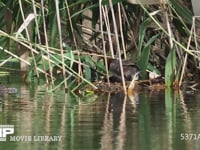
(71, 43)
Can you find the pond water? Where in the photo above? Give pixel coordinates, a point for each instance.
(161, 120)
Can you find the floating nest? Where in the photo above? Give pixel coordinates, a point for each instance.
(118, 87)
(140, 85)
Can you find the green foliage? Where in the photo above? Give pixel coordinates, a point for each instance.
(170, 68)
(153, 69)
(142, 32)
(184, 14)
(47, 56)
(144, 48)
(87, 70)
(4, 73)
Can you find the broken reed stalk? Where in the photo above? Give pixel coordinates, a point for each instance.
(107, 22)
(118, 46)
(74, 40)
(5, 61)
(121, 29)
(24, 61)
(171, 36)
(196, 35)
(28, 37)
(52, 55)
(186, 55)
(60, 42)
(46, 43)
(129, 27)
(103, 41)
(39, 39)
(164, 31)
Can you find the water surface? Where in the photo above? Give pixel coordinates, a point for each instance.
(150, 120)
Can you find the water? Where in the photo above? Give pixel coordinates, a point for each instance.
(162, 120)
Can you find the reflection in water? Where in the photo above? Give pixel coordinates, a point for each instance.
(110, 121)
(107, 130)
(121, 138)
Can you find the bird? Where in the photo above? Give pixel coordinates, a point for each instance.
(129, 69)
(132, 93)
(135, 77)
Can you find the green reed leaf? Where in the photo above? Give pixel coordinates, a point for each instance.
(170, 67)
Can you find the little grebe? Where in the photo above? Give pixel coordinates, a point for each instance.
(129, 69)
